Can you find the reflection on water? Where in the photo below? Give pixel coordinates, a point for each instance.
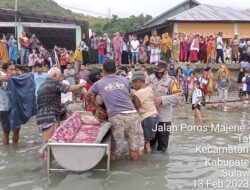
(21, 168)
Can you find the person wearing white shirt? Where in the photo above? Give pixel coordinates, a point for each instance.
(66, 100)
(228, 54)
(196, 102)
(130, 73)
(219, 48)
(135, 49)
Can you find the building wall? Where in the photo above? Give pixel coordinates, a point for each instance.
(167, 29)
(206, 28)
(244, 30)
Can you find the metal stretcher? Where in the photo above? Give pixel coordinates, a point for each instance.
(74, 153)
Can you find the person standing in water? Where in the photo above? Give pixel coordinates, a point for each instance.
(49, 102)
(126, 123)
(196, 102)
(162, 84)
(8, 71)
(143, 99)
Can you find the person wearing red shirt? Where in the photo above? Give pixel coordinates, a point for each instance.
(93, 76)
(24, 42)
(64, 59)
(101, 47)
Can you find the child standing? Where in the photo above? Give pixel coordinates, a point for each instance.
(190, 85)
(223, 86)
(39, 75)
(69, 74)
(101, 51)
(211, 49)
(196, 102)
(228, 54)
(143, 100)
(203, 86)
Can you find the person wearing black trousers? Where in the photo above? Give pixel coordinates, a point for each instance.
(161, 84)
(219, 48)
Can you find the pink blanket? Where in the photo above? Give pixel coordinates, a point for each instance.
(74, 131)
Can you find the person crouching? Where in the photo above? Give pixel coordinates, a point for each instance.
(143, 100)
(126, 123)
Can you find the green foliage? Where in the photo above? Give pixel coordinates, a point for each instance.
(125, 25)
(98, 24)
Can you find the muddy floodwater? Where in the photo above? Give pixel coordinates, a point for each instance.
(213, 156)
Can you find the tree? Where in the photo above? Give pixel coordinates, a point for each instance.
(98, 24)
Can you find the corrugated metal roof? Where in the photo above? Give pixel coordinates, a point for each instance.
(8, 15)
(211, 13)
(172, 9)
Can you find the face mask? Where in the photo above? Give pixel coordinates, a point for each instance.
(159, 75)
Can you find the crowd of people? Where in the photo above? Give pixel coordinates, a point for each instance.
(180, 48)
(137, 100)
(32, 51)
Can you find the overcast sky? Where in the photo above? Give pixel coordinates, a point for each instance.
(125, 8)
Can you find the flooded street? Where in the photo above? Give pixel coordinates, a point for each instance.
(182, 167)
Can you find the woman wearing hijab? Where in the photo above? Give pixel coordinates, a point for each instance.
(146, 47)
(77, 59)
(210, 86)
(235, 48)
(107, 42)
(203, 50)
(163, 47)
(145, 40)
(181, 79)
(4, 56)
(243, 50)
(166, 46)
(211, 49)
(171, 70)
(85, 53)
(142, 55)
(183, 48)
(175, 48)
(93, 76)
(118, 44)
(12, 44)
(125, 51)
(194, 49)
